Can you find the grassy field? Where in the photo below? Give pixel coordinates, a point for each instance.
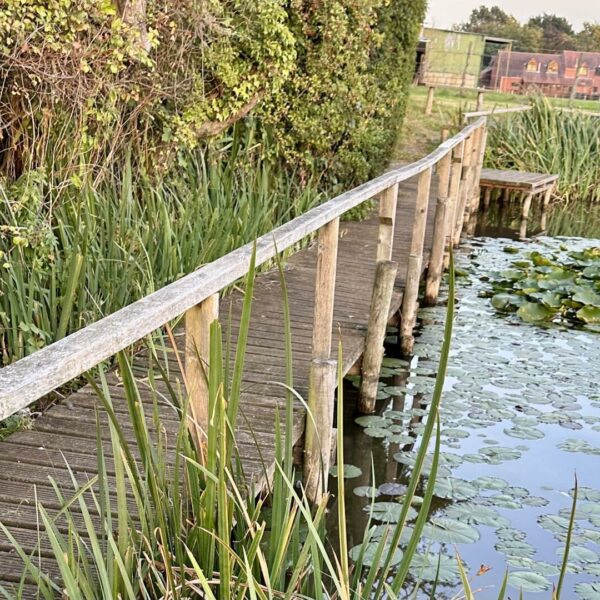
(421, 133)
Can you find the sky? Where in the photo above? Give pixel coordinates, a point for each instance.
(445, 13)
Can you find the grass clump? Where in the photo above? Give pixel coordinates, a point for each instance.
(549, 140)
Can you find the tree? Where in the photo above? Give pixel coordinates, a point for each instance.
(496, 22)
(588, 39)
(557, 32)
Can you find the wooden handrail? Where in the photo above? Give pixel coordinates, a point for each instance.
(47, 369)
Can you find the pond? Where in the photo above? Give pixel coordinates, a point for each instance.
(520, 419)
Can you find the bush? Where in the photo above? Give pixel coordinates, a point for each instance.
(85, 81)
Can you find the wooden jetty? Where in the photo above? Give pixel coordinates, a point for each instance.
(346, 285)
(526, 186)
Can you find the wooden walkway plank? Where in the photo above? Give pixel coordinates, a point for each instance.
(66, 433)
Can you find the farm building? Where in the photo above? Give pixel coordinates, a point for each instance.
(453, 58)
(568, 74)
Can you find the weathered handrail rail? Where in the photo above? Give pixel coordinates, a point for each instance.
(496, 111)
(42, 372)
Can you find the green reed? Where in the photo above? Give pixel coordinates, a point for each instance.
(547, 139)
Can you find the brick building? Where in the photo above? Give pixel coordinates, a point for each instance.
(568, 74)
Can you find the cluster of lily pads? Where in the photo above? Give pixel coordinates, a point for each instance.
(516, 408)
(562, 286)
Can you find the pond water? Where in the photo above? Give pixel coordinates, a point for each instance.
(520, 419)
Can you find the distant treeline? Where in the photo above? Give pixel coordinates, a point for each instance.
(544, 33)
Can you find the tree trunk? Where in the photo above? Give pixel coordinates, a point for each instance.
(133, 13)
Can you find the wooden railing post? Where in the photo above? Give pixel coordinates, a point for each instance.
(525, 215)
(465, 181)
(455, 181)
(383, 288)
(480, 97)
(319, 421)
(198, 320)
(415, 263)
(476, 193)
(388, 202)
(436, 260)
(319, 427)
(429, 103)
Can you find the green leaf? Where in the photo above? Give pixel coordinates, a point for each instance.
(589, 314)
(587, 296)
(529, 582)
(588, 591)
(350, 471)
(450, 531)
(506, 302)
(370, 552)
(532, 312)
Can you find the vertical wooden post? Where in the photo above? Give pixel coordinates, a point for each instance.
(525, 215)
(454, 199)
(383, 288)
(445, 134)
(327, 245)
(319, 423)
(429, 103)
(546, 202)
(388, 202)
(198, 320)
(464, 189)
(319, 427)
(436, 260)
(476, 190)
(415, 262)
(479, 100)
(487, 198)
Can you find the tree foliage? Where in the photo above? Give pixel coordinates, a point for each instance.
(543, 33)
(84, 80)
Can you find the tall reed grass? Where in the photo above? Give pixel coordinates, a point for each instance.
(70, 254)
(549, 140)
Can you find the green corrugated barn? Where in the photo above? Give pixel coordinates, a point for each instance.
(450, 58)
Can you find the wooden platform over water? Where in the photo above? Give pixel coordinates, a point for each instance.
(426, 219)
(66, 432)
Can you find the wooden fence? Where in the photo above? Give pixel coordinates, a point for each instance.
(456, 164)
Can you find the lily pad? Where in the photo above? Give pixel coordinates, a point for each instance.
(528, 581)
(350, 471)
(588, 591)
(532, 312)
(589, 314)
(429, 566)
(450, 531)
(370, 552)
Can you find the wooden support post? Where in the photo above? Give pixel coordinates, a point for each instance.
(525, 215)
(436, 260)
(464, 189)
(480, 95)
(415, 264)
(476, 190)
(445, 134)
(383, 288)
(327, 246)
(487, 197)
(319, 421)
(319, 427)
(388, 201)
(545, 204)
(429, 103)
(454, 200)
(198, 320)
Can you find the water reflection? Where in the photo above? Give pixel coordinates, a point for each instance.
(503, 220)
(520, 414)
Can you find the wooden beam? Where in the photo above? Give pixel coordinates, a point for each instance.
(429, 102)
(319, 427)
(436, 259)
(464, 189)
(388, 201)
(383, 287)
(327, 248)
(415, 262)
(198, 320)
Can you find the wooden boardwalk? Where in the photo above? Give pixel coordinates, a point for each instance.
(66, 433)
